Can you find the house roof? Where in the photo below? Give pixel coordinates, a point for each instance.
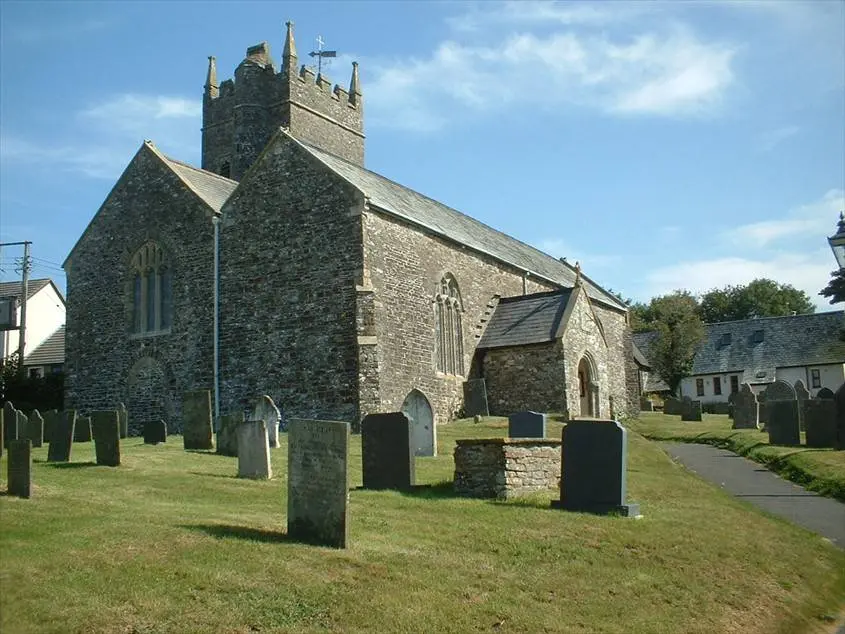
(212, 188)
(50, 352)
(642, 343)
(639, 358)
(13, 289)
(526, 319)
(423, 211)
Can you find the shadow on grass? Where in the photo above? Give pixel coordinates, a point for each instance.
(206, 452)
(240, 532)
(70, 465)
(438, 491)
(212, 475)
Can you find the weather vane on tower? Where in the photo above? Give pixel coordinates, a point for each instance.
(320, 54)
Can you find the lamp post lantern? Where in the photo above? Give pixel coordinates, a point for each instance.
(837, 242)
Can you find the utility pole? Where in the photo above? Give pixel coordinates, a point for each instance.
(24, 292)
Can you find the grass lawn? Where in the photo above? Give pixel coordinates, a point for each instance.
(172, 542)
(820, 470)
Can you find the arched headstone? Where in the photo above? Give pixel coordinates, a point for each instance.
(825, 392)
(746, 410)
(840, 418)
(802, 394)
(423, 433)
(780, 391)
(267, 411)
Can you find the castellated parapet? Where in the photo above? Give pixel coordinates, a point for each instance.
(240, 115)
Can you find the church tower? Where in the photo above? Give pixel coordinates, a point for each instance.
(239, 116)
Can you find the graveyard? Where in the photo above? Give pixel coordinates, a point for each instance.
(172, 540)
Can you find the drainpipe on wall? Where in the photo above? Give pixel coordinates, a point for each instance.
(216, 222)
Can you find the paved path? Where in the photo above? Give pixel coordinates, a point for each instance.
(751, 481)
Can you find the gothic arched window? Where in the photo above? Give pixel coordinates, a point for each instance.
(152, 290)
(448, 334)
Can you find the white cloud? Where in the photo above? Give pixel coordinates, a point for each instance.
(818, 218)
(589, 261)
(135, 113)
(94, 161)
(770, 139)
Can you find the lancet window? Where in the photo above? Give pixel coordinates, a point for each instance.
(152, 290)
(449, 342)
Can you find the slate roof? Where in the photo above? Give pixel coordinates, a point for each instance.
(13, 289)
(212, 188)
(450, 223)
(526, 319)
(50, 352)
(642, 344)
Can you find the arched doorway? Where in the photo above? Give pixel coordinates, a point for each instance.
(423, 434)
(586, 388)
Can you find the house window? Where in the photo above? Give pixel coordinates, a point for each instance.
(717, 385)
(448, 335)
(816, 378)
(734, 384)
(699, 387)
(151, 290)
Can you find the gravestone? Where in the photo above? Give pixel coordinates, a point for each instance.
(123, 420)
(763, 413)
(825, 392)
(840, 417)
(35, 429)
(227, 434)
(593, 476)
(19, 472)
(691, 410)
(318, 482)
(155, 431)
(82, 430)
(267, 411)
(10, 421)
(386, 456)
(746, 408)
(646, 405)
(527, 425)
(801, 395)
(197, 432)
(783, 423)
(731, 401)
(106, 429)
(50, 418)
(423, 432)
(2, 432)
(779, 391)
(475, 398)
(253, 451)
(820, 422)
(61, 441)
(672, 406)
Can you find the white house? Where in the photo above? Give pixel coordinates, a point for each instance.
(45, 320)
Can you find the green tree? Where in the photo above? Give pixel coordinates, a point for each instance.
(835, 289)
(760, 298)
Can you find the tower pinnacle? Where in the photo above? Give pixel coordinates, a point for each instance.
(354, 86)
(211, 87)
(289, 52)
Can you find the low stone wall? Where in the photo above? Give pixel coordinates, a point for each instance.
(506, 467)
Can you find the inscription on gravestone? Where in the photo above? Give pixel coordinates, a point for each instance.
(20, 468)
(475, 398)
(61, 441)
(527, 425)
(318, 485)
(387, 459)
(783, 423)
(106, 429)
(253, 451)
(820, 422)
(197, 432)
(155, 431)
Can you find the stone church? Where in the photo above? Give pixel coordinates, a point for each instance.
(284, 267)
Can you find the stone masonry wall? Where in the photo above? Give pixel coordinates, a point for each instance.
(525, 378)
(505, 468)
(106, 362)
(290, 256)
(402, 269)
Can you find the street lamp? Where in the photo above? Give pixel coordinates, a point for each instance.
(837, 242)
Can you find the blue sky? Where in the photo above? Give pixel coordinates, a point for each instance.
(663, 145)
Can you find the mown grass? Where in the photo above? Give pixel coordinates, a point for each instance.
(172, 542)
(820, 470)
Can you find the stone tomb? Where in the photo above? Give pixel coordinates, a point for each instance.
(197, 431)
(506, 468)
(106, 429)
(253, 451)
(594, 468)
(527, 425)
(82, 430)
(820, 422)
(475, 398)
(387, 459)
(61, 440)
(783, 423)
(35, 429)
(840, 417)
(318, 482)
(267, 411)
(746, 408)
(155, 431)
(227, 434)
(20, 468)
(691, 410)
(123, 420)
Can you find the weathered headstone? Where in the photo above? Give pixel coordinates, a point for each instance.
(731, 402)
(746, 408)
(227, 434)
(475, 398)
(594, 458)
(35, 428)
(801, 395)
(825, 392)
(691, 410)
(10, 421)
(61, 440)
(197, 431)
(123, 420)
(106, 429)
(318, 482)
(672, 406)
(267, 411)
(386, 457)
(423, 432)
(783, 422)
(527, 425)
(82, 430)
(20, 468)
(820, 422)
(50, 418)
(2, 432)
(646, 405)
(779, 391)
(155, 431)
(253, 451)
(840, 417)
